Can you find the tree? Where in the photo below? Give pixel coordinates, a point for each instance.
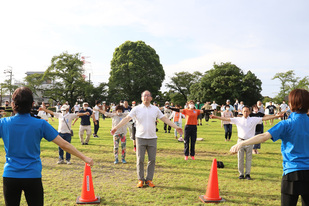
(288, 83)
(180, 84)
(66, 73)
(227, 81)
(135, 67)
(251, 89)
(34, 82)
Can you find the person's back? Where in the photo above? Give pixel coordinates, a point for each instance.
(22, 135)
(295, 142)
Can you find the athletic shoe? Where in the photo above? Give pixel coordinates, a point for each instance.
(248, 177)
(192, 157)
(86, 143)
(60, 162)
(150, 183)
(134, 149)
(241, 177)
(186, 157)
(169, 131)
(123, 161)
(116, 161)
(140, 184)
(180, 139)
(69, 163)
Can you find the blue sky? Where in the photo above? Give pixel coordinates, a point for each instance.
(265, 36)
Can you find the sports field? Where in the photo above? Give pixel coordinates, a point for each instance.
(178, 182)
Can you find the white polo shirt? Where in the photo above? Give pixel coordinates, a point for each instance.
(145, 118)
(246, 126)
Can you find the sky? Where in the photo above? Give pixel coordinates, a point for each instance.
(265, 36)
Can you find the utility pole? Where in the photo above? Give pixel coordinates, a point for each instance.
(10, 72)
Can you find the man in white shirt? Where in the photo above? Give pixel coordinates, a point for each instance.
(145, 116)
(284, 108)
(214, 106)
(96, 114)
(246, 129)
(64, 128)
(76, 108)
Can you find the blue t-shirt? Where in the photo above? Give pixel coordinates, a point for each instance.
(294, 134)
(22, 135)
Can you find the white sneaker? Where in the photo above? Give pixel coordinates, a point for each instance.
(69, 163)
(60, 162)
(180, 139)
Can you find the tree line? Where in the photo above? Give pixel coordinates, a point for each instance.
(136, 67)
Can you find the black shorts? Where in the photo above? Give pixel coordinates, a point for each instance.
(32, 187)
(296, 183)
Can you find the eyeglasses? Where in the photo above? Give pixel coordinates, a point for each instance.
(146, 95)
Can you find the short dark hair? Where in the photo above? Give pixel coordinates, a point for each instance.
(23, 100)
(146, 91)
(119, 107)
(246, 106)
(299, 100)
(97, 102)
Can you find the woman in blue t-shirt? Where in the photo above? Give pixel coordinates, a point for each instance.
(294, 134)
(22, 135)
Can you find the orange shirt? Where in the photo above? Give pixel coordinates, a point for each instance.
(191, 116)
(176, 117)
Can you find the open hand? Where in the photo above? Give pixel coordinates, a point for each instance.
(235, 148)
(179, 130)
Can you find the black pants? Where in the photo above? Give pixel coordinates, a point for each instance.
(169, 127)
(294, 184)
(32, 187)
(228, 131)
(96, 127)
(190, 135)
(291, 200)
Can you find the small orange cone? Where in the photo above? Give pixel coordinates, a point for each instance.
(212, 192)
(87, 196)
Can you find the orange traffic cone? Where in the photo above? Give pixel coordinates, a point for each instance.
(87, 196)
(212, 192)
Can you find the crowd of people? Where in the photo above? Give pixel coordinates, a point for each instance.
(141, 121)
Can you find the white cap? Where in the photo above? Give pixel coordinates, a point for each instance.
(64, 108)
(85, 103)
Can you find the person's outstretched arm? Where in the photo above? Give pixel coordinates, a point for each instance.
(268, 117)
(46, 110)
(254, 140)
(221, 118)
(72, 150)
(172, 124)
(122, 123)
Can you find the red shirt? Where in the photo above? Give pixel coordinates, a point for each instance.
(191, 116)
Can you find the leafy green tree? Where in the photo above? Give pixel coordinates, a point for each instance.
(34, 82)
(288, 83)
(135, 67)
(91, 93)
(180, 85)
(227, 81)
(251, 88)
(66, 73)
(8, 87)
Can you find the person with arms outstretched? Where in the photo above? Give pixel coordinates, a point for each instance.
(145, 116)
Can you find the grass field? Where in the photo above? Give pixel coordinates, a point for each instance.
(178, 182)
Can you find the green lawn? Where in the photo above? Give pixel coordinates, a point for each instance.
(178, 182)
